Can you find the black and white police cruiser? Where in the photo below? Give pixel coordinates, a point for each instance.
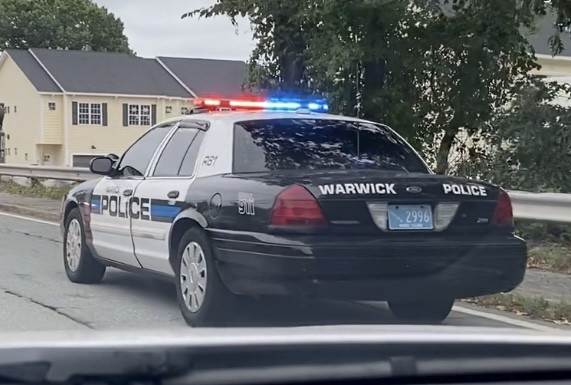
(281, 198)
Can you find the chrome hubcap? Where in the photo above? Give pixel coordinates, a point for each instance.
(73, 245)
(193, 276)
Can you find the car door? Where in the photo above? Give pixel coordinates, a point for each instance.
(112, 203)
(165, 190)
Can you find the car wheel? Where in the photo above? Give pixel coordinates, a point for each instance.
(202, 296)
(429, 311)
(80, 266)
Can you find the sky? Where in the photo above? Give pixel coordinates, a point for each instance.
(154, 28)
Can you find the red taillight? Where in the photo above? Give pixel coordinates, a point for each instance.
(503, 214)
(295, 206)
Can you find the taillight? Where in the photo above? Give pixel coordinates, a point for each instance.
(503, 214)
(295, 206)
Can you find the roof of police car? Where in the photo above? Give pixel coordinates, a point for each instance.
(237, 116)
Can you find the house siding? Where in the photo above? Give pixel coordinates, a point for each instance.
(87, 139)
(23, 122)
(553, 66)
(52, 132)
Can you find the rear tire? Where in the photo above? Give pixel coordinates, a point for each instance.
(423, 311)
(80, 266)
(202, 297)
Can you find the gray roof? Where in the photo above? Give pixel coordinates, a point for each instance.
(33, 70)
(207, 77)
(544, 29)
(109, 73)
(120, 73)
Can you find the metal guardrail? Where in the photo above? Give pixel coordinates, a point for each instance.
(75, 174)
(548, 207)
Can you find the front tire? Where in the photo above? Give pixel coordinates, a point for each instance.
(202, 296)
(422, 311)
(80, 266)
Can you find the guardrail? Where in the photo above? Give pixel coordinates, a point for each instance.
(547, 207)
(75, 174)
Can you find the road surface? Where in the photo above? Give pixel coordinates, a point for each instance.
(35, 295)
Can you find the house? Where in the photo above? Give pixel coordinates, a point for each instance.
(553, 67)
(558, 66)
(64, 107)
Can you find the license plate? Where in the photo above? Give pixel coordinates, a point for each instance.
(410, 217)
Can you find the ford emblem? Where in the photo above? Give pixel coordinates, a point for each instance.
(414, 189)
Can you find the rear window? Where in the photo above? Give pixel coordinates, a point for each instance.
(314, 144)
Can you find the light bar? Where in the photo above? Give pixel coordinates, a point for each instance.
(272, 104)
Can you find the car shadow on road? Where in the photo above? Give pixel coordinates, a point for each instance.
(266, 312)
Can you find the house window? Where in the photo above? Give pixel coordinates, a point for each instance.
(139, 115)
(15, 110)
(46, 158)
(89, 113)
(51, 106)
(15, 151)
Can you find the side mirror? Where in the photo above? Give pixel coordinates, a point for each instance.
(101, 165)
(113, 156)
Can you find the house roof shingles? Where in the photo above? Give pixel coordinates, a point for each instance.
(119, 73)
(33, 70)
(208, 76)
(108, 73)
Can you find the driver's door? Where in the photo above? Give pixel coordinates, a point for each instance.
(112, 204)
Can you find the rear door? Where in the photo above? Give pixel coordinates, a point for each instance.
(164, 191)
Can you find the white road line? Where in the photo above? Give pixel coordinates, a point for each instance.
(30, 219)
(508, 320)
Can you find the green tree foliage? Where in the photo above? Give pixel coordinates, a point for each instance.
(532, 144)
(60, 24)
(435, 70)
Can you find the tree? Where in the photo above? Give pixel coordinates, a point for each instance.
(279, 27)
(439, 71)
(532, 143)
(60, 24)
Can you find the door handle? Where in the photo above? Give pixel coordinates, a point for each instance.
(173, 194)
(128, 192)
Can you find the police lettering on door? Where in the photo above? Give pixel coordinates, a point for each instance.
(138, 208)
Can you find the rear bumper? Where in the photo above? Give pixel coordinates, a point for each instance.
(366, 268)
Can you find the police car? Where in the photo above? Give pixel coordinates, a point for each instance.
(250, 198)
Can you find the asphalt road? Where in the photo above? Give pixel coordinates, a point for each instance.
(35, 295)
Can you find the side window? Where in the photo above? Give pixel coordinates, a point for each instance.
(174, 152)
(137, 158)
(189, 161)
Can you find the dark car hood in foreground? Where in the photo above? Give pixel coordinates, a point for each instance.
(249, 355)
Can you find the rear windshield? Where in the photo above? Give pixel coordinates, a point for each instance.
(316, 144)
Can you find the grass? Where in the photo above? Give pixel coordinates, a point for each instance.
(548, 256)
(534, 307)
(36, 189)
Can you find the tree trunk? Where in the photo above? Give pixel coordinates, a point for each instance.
(290, 48)
(444, 152)
(374, 77)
